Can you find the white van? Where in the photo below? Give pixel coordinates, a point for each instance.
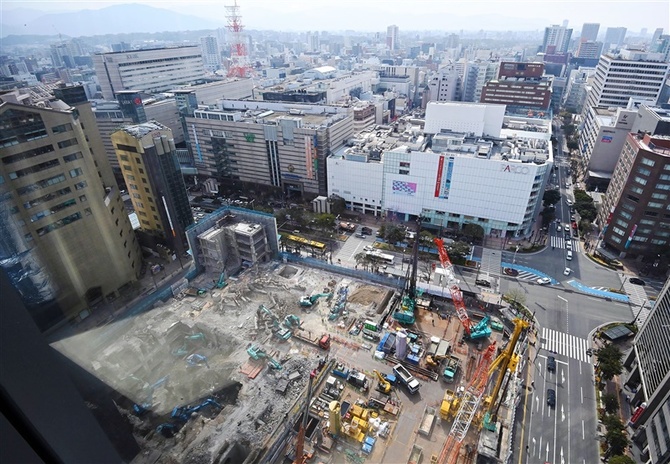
(569, 256)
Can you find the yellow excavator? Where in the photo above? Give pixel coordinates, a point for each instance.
(434, 360)
(384, 385)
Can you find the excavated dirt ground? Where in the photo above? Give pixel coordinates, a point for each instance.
(144, 359)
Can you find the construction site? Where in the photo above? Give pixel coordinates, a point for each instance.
(286, 363)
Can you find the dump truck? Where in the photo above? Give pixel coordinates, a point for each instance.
(445, 407)
(427, 421)
(406, 378)
(322, 342)
(416, 455)
(451, 368)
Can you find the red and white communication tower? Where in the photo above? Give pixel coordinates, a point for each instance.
(238, 50)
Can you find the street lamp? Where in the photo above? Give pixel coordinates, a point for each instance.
(638, 313)
(622, 283)
(515, 251)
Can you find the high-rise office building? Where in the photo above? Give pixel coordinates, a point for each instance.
(446, 85)
(614, 37)
(589, 50)
(211, 56)
(589, 32)
(477, 74)
(627, 74)
(61, 215)
(635, 207)
(152, 174)
(556, 39)
(657, 35)
(149, 71)
(392, 37)
(648, 366)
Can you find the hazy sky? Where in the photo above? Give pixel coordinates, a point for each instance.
(408, 15)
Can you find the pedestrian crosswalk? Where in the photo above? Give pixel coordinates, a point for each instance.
(559, 242)
(525, 275)
(565, 344)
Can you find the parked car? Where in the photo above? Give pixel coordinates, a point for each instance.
(566, 228)
(482, 283)
(544, 280)
(567, 271)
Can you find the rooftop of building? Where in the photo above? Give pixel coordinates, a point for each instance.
(147, 50)
(140, 130)
(260, 112)
(659, 144)
(370, 146)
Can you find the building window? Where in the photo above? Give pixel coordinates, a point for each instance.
(658, 242)
(622, 223)
(80, 185)
(640, 180)
(73, 157)
(127, 167)
(659, 196)
(650, 213)
(130, 177)
(88, 211)
(124, 158)
(67, 143)
(628, 207)
(132, 186)
(648, 162)
(76, 172)
(637, 190)
(616, 239)
(643, 171)
(28, 154)
(142, 213)
(137, 195)
(129, 148)
(82, 198)
(141, 171)
(653, 204)
(632, 198)
(144, 180)
(625, 215)
(403, 171)
(146, 189)
(62, 128)
(618, 231)
(34, 169)
(664, 177)
(647, 222)
(58, 224)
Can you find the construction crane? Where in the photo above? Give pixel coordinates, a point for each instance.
(471, 331)
(469, 405)
(506, 362)
(222, 280)
(300, 456)
(405, 313)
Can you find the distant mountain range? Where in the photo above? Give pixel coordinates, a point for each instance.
(117, 19)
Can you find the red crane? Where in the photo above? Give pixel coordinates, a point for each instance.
(456, 294)
(300, 456)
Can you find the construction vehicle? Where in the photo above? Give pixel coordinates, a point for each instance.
(472, 331)
(469, 405)
(340, 370)
(383, 385)
(322, 342)
(447, 401)
(406, 378)
(451, 368)
(358, 379)
(196, 360)
(307, 301)
(300, 456)
(405, 312)
(183, 413)
(279, 331)
(292, 321)
(222, 281)
(506, 363)
(426, 427)
(144, 406)
(257, 354)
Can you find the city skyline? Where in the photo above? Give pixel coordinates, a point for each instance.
(371, 15)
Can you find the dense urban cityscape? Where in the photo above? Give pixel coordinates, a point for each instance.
(223, 243)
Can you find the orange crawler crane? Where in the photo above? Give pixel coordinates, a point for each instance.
(469, 405)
